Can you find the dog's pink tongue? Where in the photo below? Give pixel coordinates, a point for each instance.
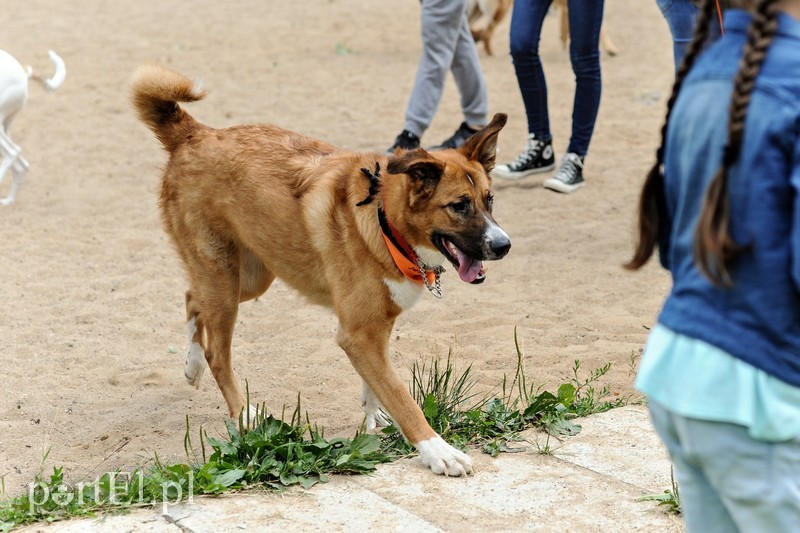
(468, 269)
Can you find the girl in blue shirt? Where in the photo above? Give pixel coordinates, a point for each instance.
(721, 369)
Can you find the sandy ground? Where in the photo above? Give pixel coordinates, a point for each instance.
(92, 333)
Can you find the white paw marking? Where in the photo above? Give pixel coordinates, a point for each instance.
(195, 360)
(442, 458)
(376, 417)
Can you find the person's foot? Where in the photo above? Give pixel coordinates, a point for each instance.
(458, 139)
(405, 141)
(537, 157)
(569, 177)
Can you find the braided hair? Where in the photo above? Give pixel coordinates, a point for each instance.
(714, 248)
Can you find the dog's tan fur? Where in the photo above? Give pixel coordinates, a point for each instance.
(606, 44)
(485, 15)
(247, 204)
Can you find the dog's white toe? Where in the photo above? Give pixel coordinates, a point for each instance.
(442, 458)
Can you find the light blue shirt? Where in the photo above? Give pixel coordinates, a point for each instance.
(697, 380)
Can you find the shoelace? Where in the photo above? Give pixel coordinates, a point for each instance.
(529, 154)
(569, 168)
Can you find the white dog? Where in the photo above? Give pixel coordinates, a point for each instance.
(13, 94)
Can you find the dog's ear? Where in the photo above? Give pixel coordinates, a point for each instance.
(482, 146)
(424, 171)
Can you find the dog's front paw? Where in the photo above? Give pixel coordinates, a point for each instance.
(195, 365)
(442, 458)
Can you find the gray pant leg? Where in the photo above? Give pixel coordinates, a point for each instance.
(442, 25)
(468, 74)
(729, 481)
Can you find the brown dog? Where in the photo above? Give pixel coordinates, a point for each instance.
(358, 232)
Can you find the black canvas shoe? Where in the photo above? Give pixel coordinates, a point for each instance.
(537, 157)
(405, 141)
(569, 177)
(458, 139)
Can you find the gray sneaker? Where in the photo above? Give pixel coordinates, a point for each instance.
(537, 157)
(569, 177)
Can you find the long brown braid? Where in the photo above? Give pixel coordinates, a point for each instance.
(651, 200)
(714, 247)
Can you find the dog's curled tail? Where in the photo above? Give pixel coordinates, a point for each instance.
(57, 79)
(156, 92)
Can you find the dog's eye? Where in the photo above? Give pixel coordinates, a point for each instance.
(462, 207)
(489, 201)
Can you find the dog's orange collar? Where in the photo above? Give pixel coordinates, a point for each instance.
(403, 255)
(406, 259)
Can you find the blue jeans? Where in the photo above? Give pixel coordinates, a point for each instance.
(729, 481)
(681, 17)
(585, 18)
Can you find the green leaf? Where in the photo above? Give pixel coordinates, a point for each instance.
(308, 481)
(228, 478)
(223, 447)
(430, 407)
(566, 394)
(563, 428)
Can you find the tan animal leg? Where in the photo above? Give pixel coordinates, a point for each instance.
(217, 304)
(220, 276)
(253, 280)
(606, 44)
(564, 26)
(366, 345)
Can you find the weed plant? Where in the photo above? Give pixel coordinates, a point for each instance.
(670, 498)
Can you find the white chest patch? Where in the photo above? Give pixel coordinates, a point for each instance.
(405, 293)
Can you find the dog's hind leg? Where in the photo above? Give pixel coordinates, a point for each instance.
(255, 279)
(195, 363)
(213, 263)
(218, 306)
(376, 416)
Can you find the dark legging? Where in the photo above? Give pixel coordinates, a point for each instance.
(585, 19)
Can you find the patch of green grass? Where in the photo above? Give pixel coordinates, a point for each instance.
(266, 452)
(270, 453)
(463, 418)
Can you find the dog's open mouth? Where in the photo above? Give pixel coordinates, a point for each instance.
(469, 269)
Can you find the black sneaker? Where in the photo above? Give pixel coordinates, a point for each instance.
(569, 177)
(537, 157)
(458, 139)
(405, 141)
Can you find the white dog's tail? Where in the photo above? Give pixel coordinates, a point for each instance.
(54, 82)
